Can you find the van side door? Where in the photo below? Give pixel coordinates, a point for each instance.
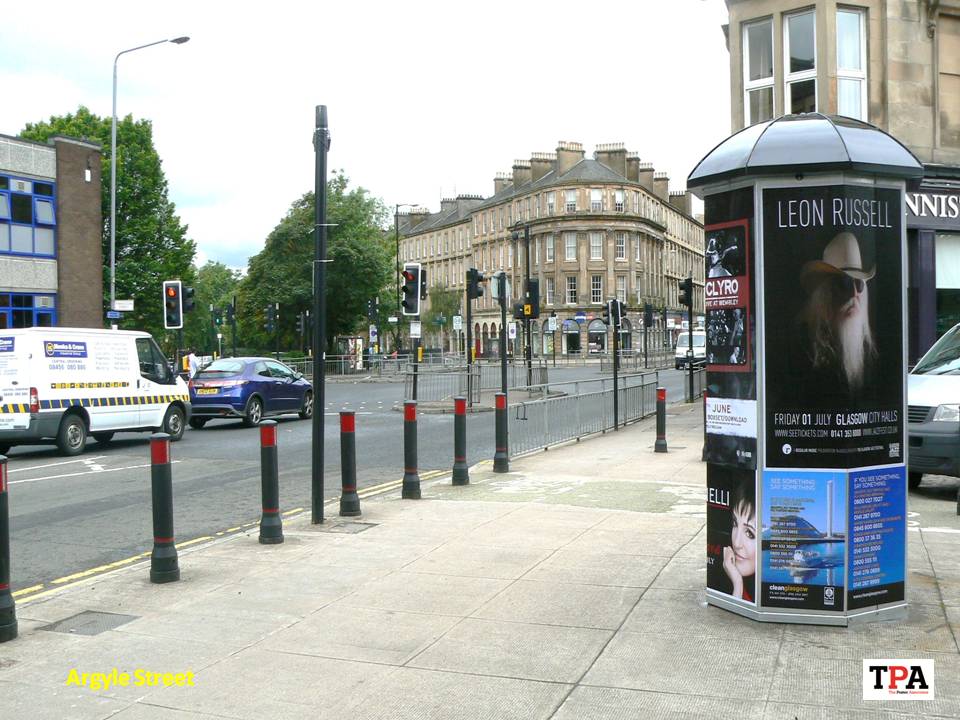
(156, 385)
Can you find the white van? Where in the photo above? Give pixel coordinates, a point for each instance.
(680, 355)
(59, 385)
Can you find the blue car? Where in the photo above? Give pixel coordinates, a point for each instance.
(250, 389)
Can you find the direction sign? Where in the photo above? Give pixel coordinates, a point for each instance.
(392, 319)
(552, 323)
(457, 322)
(415, 328)
(123, 305)
(512, 330)
(114, 315)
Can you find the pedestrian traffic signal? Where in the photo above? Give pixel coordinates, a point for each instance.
(217, 317)
(188, 301)
(474, 287)
(172, 305)
(686, 292)
(270, 314)
(411, 288)
(533, 298)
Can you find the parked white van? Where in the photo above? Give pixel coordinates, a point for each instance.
(680, 355)
(59, 385)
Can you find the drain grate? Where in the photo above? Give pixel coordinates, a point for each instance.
(90, 622)
(347, 528)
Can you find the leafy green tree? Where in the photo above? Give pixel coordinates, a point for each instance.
(215, 285)
(444, 303)
(151, 242)
(360, 265)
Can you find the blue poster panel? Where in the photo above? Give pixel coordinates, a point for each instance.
(877, 548)
(803, 539)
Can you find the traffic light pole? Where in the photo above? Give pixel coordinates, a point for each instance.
(526, 320)
(233, 325)
(321, 143)
(502, 299)
(616, 361)
(469, 347)
(690, 340)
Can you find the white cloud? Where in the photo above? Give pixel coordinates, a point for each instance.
(423, 97)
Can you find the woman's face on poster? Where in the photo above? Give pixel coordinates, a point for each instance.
(743, 536)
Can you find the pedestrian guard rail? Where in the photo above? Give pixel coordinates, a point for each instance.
(572, 410)
(699, 382)
(638, 361)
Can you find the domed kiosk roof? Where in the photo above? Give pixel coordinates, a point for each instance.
(805, 143)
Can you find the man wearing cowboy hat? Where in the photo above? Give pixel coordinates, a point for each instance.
(840, 348)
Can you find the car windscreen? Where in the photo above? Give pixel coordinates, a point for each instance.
(221, 368)
(944, 357)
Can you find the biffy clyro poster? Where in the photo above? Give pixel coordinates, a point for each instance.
(833, 326)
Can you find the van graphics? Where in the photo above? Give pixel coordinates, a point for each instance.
(111, 401)
(64, 349)
(6, 344)
(88, 385)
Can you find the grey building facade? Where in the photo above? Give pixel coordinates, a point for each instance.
(51, 260)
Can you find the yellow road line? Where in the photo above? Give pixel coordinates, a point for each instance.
(98, 569)
(27, 591)
(193, 542)
(292, 512)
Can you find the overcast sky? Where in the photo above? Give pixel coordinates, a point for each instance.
(426, 99)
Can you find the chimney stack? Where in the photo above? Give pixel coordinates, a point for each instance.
(568, 155)
(540, 164)
(416, 216)
(447, 205)
(521, 173)
(500, 181)
(633, 167)
(645, 175)
(682, 201)
(613, 155)
(661, 186)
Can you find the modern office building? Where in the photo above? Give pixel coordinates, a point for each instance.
(51, 261)
(600, 228)
(895, 65)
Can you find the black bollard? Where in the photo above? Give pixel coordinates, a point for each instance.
(461, 474)
(411, 479)
(501, 460)
(8, 607)
(349, 500)
(661, 444)
(164, 566)
(271, 524)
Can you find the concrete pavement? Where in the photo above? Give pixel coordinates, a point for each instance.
(571, 587)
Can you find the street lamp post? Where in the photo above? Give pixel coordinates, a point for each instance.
(113, 166)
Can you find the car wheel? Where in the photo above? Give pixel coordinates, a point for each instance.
(197, 423)
(72, 436)
(103, 437)
(914, 479)
(173, 422)
(306, 410)
(254, 413)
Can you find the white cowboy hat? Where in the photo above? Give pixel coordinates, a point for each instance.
(840, 256)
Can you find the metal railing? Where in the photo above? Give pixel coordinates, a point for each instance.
(699, 382)
(491, 379)
(435, 383)
(634, 360)
(585, 407)
(379, 366)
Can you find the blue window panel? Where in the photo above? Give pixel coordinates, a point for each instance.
(4, 206)
(43, 212)
(43, 241)
(4, 238)
(21, 239)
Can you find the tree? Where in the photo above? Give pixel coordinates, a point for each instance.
(444, 303)
(360, 263)
(215, 285)
(151, 242)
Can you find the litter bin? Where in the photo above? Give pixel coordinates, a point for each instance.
(805, 296)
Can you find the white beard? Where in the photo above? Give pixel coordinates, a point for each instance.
(853, 336)
(845, 340)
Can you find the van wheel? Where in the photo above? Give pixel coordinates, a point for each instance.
(103, 437)
(254, 413)
(197, 423)
(306, 410)
(173, 423)
(72, 436)
(914, 479)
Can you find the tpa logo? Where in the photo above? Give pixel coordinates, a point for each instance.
(898, 679)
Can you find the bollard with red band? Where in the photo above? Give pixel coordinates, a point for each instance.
(349, 500)
(501, 459)
(271, 524)
(8, 607)
(164, 566)
(661, 444)
(461, 474)
(411, 478)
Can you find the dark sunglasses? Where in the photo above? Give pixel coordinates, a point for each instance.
(847, 284)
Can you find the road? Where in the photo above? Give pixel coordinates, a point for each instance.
(72, 514)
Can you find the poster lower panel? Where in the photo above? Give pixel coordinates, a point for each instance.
(732, 532)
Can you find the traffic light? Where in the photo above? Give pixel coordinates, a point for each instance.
(231, 314)
(474, 287)
(172, 305)
(617, 311)
(606, 312)
(533, 298)
(371, 311)
(270, 313)
(411, 288)
(686, 292)
(423, 283)
(301, 323)
(518, 311)
(648, 315)
(188, 302)
(218, 317)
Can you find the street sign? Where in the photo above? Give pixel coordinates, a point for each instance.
(457, 322)
(415, 328)
(512, 330)
(580, 316)
(373, 334)
(440, 320)
(552, 323)
(392, 319)
(219, 336)
(123, 305)
(114, 315)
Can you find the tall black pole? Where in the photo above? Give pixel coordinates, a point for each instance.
(469, 347)
(616, 361)
(233, 325)
(321, 143)
(502, 298)
(690, 338)
(526, 320)
(396, 232)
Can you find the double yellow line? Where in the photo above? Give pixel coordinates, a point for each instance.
(34, 592)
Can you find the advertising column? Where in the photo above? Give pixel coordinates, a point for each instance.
(832, 539)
